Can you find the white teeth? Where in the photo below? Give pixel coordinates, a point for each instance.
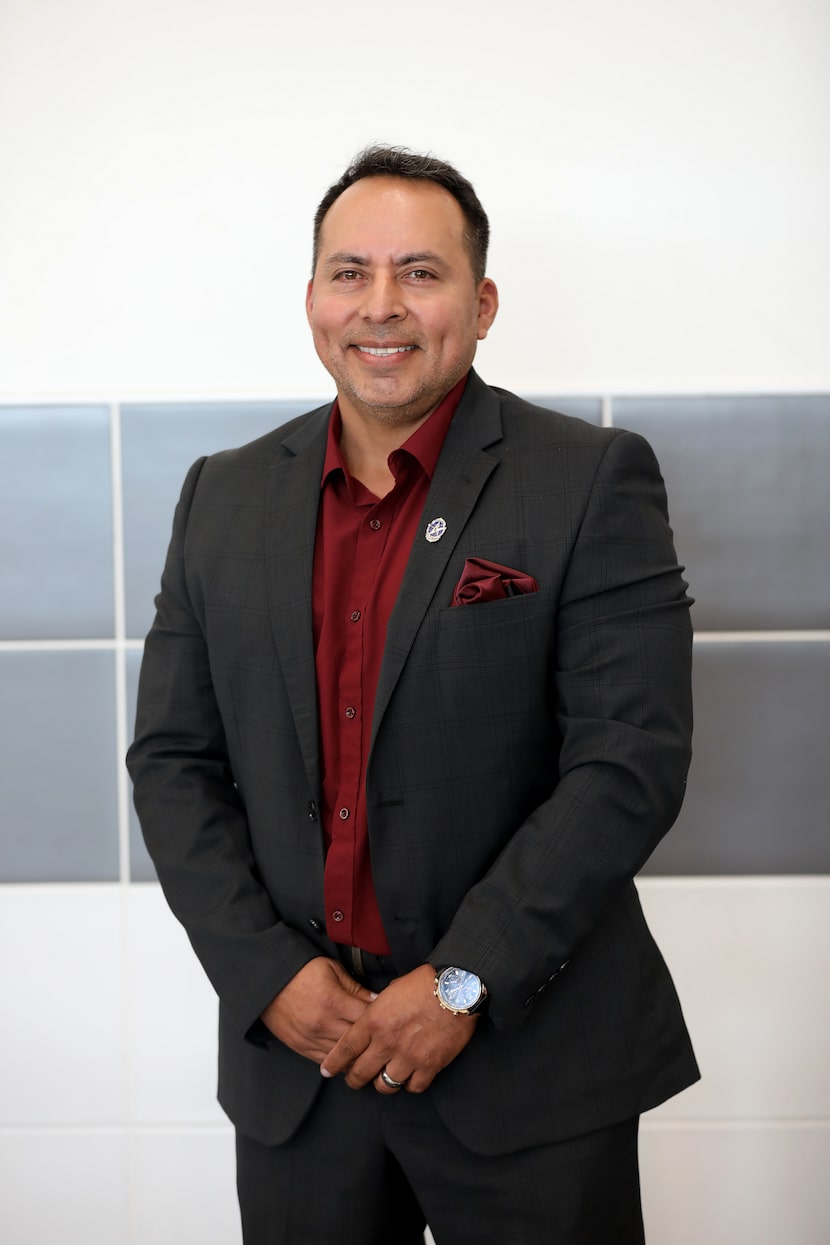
(384, 350)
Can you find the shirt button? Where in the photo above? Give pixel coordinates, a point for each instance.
(337, 915)
(344, 814)
(374, 524)
(355, 615)
(350, 712)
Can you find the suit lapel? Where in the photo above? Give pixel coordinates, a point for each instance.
(463, 469)
(291, 517)
(293, 499)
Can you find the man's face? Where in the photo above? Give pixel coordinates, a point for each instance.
(394, 307)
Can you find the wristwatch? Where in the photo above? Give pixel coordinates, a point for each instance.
(459, 991)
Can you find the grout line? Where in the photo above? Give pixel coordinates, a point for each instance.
(105, 645)
(766, 1124)
(186, 1129)
(121, 728)
(151, 397)
(743, 881)
(121, 734)
(733, 881)
(762, 637)
(124, 645)
(127, 986)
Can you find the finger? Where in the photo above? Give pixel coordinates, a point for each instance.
(358, 999)
(420, 1080)
(366, 1069)
(353, 990)
(344, 1053)
(357, 991)
(388, 1082)
(366, 1066)
(349, 1009)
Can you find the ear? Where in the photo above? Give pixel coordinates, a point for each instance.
(309, 299)
(488, 305)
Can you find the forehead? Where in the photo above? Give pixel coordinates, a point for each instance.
(385, 216)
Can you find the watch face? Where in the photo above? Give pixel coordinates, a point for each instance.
(459, 989)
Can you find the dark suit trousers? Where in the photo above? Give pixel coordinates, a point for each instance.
(371, 1169)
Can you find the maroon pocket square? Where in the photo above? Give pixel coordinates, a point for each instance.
(487, 581)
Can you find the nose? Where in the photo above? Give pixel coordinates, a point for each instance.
(382, 300)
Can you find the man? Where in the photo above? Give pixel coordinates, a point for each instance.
(413, 713)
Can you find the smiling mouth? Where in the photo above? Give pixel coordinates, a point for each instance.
(383, 351)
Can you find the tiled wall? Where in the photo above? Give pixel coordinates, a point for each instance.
(107, 1047)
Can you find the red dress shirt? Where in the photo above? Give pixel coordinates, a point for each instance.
(360, 556)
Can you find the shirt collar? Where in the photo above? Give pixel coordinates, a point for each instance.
(424, 445)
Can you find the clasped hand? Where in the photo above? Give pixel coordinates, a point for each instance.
(327, 1016)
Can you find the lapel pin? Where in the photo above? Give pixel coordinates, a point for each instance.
(435, 530)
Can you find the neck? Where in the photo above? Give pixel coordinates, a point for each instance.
(367, 442)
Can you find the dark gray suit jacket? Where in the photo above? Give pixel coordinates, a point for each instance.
(527, 756)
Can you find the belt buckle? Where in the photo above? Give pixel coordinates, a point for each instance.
(358, 967)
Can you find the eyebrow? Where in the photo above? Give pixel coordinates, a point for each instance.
(362, 261)
(421, 257)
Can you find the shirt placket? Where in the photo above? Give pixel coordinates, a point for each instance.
(372, 535)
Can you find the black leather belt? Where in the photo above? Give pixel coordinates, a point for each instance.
(362, 963)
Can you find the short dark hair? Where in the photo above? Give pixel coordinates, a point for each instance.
(379, 161)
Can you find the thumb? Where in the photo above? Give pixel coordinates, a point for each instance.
(353, 987)
(360, 992)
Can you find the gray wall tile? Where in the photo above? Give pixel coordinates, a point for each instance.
(757, 800)
(159, 443)
(59, 819)
(55, 523)
(747, 490)
(142, 868)
(748, 481)
(589, 409)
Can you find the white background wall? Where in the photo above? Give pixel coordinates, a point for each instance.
(657, 177)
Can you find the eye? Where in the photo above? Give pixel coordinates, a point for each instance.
(420, 274)
(347, 274)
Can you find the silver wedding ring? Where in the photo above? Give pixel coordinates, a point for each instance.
(387, 1080)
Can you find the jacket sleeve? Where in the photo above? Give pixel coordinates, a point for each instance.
(191, 813)
(622, 700)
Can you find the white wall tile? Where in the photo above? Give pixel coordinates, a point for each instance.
(61, 1042)
(65, 1187)
(748, 958)
(172, 1018)
(184, 1188)
(740, 1159)
(736, 1184)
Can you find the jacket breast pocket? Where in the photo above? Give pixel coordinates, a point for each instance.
(506, 646)
(484, 676)
(509, 612)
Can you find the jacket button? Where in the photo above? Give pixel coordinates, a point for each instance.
(529, 1001)
(315, 924)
